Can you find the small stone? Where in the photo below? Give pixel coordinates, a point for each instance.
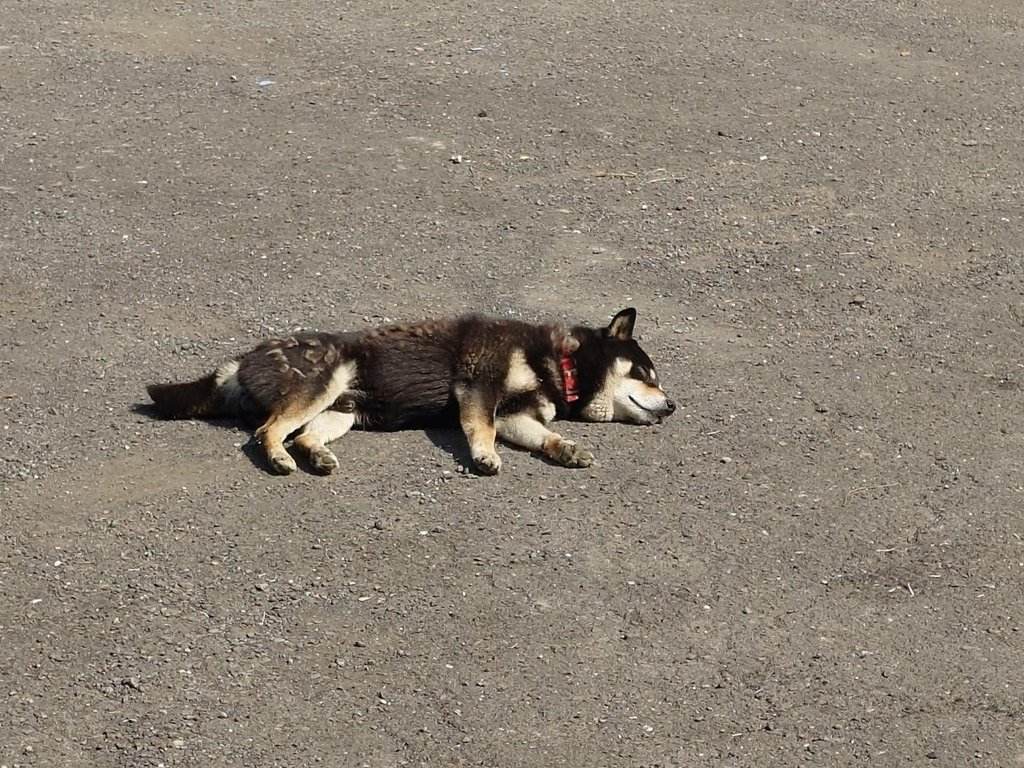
(378, 524)
(859, 300)
(726, 460)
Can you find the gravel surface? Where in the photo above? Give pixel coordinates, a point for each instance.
(815, 207)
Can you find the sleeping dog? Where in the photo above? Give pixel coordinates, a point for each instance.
(495, 377)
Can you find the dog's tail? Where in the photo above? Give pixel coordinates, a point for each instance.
(216, 394)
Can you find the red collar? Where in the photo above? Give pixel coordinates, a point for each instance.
(569, 379)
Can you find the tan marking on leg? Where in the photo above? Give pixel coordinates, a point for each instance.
(520, 376)
(477, 419)
(524, 430)
(295, 413)
(272, 434)
(324, 428)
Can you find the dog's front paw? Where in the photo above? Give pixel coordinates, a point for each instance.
(568, 454)
(488, 463)
(323, 461)
(282, 463)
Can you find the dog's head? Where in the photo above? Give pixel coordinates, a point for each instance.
(618, 381)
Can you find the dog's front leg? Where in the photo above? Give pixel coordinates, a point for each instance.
(476, 414)
(524, 430)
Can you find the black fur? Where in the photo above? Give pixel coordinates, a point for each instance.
(190, 400)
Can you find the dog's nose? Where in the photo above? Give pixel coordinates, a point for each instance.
(670, 406)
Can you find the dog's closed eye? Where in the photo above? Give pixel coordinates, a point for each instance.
(644, 374)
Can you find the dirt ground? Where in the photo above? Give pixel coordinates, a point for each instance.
(817, 210)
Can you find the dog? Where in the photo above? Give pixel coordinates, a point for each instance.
(495, 377)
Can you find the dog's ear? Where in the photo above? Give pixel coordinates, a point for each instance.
(621, 326)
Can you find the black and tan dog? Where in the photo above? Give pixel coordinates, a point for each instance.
(496, 377)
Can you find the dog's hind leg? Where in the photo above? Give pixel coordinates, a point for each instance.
(325, 427)
(275, 431)
(524, 430)
(476, 415)
(298, 412)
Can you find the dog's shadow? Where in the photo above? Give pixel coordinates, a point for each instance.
(251, 448)
(453, 442)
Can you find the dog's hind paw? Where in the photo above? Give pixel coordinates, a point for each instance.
(568, 454)
(282, 463)
(323, 461)
(488, 463)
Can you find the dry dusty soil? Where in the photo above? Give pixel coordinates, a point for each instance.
(818, 210)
